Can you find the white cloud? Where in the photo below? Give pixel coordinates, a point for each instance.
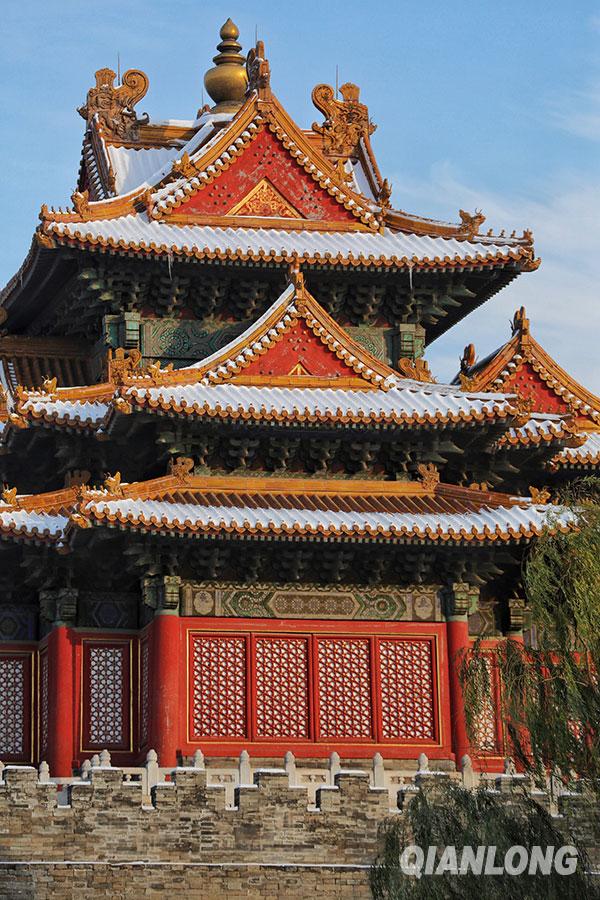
(562, 297)
(578, 112)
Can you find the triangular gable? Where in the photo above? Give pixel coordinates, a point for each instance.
(264, 200)
(523, 366)
(261, 142)
(295, 343)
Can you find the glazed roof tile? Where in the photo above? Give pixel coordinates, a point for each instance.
(194, 506)
(405, 402)
(588, 453)
(358, 388)
(140, 233)
(542, 428)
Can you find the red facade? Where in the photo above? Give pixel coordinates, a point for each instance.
(233, 684)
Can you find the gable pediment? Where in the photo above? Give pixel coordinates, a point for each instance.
(295, 343)
(261, 167)
(264, 200)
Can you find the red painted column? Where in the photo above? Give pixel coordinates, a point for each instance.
(165, 686)
(457, 629)
(61, 701)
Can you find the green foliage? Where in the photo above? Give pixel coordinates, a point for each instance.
(450, 816)
(551, 692)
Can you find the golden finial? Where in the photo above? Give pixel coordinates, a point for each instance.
(226, 83)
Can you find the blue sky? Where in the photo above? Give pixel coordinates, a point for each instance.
(478, 104)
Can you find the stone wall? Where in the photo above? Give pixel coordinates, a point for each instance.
(103, 836)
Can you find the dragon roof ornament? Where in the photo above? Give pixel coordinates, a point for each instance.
(114, 106)
(346, 121)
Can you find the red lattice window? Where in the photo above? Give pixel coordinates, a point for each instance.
(344, 686)
(15, 707)
(145, 698)
(281, 679)
(407, 690)
(485, 723)
(219, 686)
(44, 689)
(320, 687)
(106, 695)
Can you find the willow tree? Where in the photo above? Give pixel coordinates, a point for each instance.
(551, 690)
(445, 820)
(551, 704)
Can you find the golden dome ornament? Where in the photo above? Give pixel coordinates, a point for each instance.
(227, 81)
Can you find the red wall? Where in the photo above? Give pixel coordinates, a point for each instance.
(272, 679)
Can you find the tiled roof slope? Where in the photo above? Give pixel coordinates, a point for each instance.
(193, 506)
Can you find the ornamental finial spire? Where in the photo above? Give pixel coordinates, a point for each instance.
(226, 82)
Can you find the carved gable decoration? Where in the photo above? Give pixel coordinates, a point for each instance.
(298, 353)
(295, 343)
(528, 383)
(263, 181)
(265, 201)
(114, 106)
(346, 120)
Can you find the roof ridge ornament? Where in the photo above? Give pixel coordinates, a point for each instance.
(227, 81)
(346, 121)
(114, 106)
(9, 496)
(471, 222)
(182, 468)
(122, 363)
(385, 193)
(539, 495)
(520, 323)
(417, 369)
(112, 484)
(468, 359)
(430, 476)
(258, 71)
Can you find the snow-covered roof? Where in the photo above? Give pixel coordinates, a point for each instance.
(138, 232)
(194, 506)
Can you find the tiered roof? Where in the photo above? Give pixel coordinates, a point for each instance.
(187, 505)
(523, 366)
(294, 364)
(250, 185)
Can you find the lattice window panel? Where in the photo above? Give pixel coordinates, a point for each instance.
(145, 698)
(44, 690)
(484, 724)
(219, 686)
(13, 713)
(281, 686)
(106, 673)
(407, 703)
(344, 688)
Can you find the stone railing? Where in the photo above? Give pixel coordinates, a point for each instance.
(311, 778)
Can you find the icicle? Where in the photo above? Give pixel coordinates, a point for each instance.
(410, 280)
(170, 263)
